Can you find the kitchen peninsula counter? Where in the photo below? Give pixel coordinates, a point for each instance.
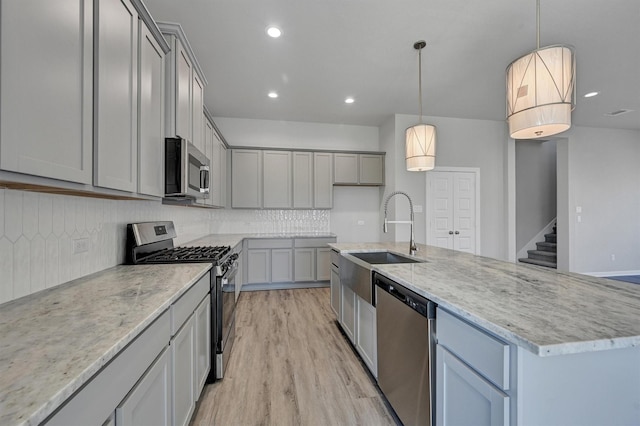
(54, 341)
(545, 311)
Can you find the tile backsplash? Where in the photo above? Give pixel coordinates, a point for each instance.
(38, 233)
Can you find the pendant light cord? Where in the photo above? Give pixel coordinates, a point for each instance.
(538, 24)
(420, 81)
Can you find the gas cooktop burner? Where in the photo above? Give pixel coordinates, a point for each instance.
(187, 254)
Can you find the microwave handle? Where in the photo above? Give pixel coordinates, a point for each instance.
(204, 179)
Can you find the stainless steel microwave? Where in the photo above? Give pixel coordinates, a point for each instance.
(186, 170)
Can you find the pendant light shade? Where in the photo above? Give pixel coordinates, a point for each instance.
(420, 140)
(540, 93)
(540, 90)
(420, 147)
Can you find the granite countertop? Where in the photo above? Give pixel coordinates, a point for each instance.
(543, 310)
(234, 239)
(54, 341)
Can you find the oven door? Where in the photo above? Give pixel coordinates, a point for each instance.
(226, 318)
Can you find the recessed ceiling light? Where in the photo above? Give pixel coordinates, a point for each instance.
(349, 100)
(591, 94)
(274, 32)
(272, 95)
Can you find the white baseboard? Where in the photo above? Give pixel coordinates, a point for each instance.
(612, 273)
(531, 245)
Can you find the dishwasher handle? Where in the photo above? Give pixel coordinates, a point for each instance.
(395, 293)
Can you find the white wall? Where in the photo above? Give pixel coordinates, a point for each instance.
(601, 174)
(460, 143)
(535, 188)
(351, 205)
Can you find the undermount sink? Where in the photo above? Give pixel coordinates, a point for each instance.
(384, 257)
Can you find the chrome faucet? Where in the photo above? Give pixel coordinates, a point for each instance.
(412, 243)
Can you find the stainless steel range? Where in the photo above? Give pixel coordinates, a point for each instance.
(152, 242)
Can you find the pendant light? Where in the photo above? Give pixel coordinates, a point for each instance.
(420, 148)
(540, 90)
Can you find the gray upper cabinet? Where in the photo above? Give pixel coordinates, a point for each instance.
(358, 169)
(151, 115)
(322, 180)
(303, 180)
(246, 178)
(277, 179)
(371, 169)
(116, 110)
(185, 85)
(345, 168)
(46, 66)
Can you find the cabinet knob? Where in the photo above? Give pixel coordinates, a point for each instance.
(457, 232)
(450, 232)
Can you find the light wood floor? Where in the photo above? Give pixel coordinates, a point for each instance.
(290, 365)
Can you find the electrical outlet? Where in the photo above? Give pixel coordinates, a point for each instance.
(361, 222)
(81, 245)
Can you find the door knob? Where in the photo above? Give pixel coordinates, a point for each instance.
(450, 232)
(457, 232)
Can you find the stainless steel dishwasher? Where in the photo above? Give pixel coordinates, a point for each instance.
(406, 350)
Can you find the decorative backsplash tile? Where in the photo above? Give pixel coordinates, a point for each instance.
(37, 233)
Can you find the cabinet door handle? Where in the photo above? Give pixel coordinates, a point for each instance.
(457, 232)
(450, 232)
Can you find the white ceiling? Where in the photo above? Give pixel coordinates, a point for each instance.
(332, 49)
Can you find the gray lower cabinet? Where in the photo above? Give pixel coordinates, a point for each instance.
(464, 397)
(183, 368)
(323, 264)
(473, 374)
(202, 318)
(258, 266)
(150, 401)
(154, 379)
(305, 266)
(282, 265)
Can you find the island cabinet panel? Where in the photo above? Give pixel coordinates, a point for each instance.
(151, 115)
(150, 401)
(277, 179)
(348, 312)
(46, 88)
(246, 178)
(322, 180)
(303, 180)
(463, 397)
(336, 290)
(365, 337)
(116, 109)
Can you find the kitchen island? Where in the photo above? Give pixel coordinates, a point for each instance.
(572, 342)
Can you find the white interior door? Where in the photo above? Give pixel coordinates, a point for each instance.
(453, 209)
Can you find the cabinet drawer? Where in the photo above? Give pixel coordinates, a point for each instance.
(485, 353)
(270, 243)
(313, 242)
(335, 258)
(188, 302)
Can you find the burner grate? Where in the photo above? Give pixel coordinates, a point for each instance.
(187, 254)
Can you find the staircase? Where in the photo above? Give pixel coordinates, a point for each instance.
(545, 253)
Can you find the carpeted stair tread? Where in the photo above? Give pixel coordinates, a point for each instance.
(539, 262)
(545, 246)
(550, 238)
